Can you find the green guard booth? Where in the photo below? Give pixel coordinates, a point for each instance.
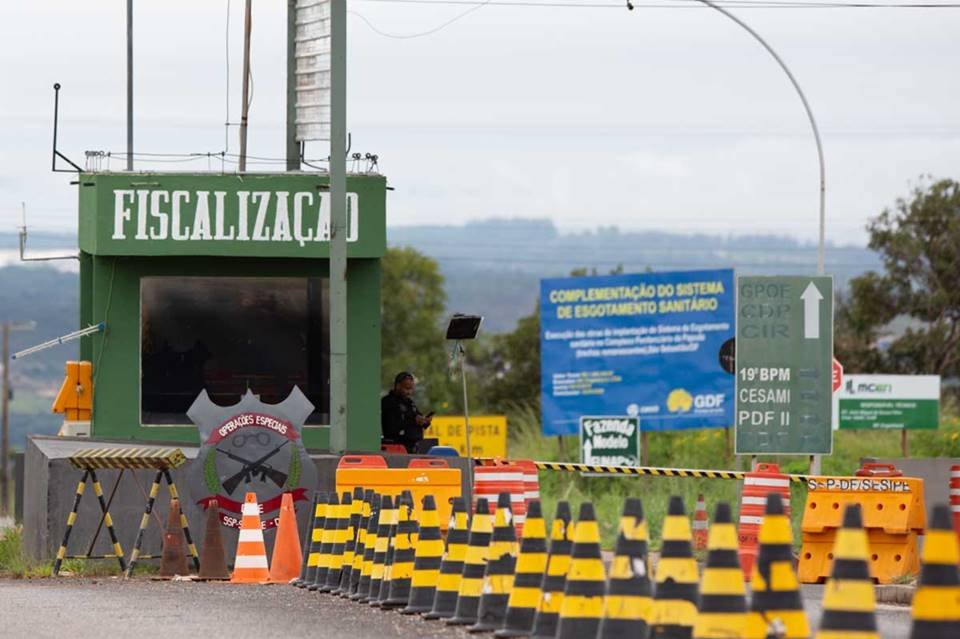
(221, 282)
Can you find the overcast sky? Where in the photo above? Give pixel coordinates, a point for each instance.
(665, 118)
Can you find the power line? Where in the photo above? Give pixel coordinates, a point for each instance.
(431, 31)
(668, 4)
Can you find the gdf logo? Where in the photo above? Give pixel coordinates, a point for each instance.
(679, 401)
(709, 400)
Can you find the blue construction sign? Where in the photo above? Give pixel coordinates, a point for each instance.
(658, 346)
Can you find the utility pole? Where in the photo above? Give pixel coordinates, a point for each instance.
(246, 86)
(5, 437)
(129, 85)
(338, 226)
(5, 413)
(293, 147)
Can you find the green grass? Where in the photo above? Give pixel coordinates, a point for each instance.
(705, 449)
(16, 564)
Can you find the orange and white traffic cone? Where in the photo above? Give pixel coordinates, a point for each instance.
(700, 523)
(250, 566)
(285, 563)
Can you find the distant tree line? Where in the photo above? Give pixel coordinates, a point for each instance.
(903, 318)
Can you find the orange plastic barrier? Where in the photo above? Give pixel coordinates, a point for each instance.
(955, 497)
(764, 479)
(423, 477)
(362, 461)
(420, 462)
(531, 480)
(893, 516)
(399, 449)
(501, 477)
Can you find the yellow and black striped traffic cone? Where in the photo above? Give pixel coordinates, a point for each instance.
(427, 561)
(360, 546)
(399, 505)
(675, 600)
(723, 606)
(628, 600)
(362, 593)
(936, 603)
(339, 544)
(555, 577)
(775, 605)
(849, 603)
(582, 605)
(311, 549)
(501, 562)
(528, 579)
(404, 553)
(474, 566)
(350, 546)
(381, 545)
(451, 568)
(330, 524)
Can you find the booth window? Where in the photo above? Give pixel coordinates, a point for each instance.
(228, 334)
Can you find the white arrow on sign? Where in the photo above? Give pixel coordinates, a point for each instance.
(811, 311)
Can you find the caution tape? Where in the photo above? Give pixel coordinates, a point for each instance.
(653, 471)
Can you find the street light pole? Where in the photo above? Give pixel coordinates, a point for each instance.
(813, 126)
(814, 459)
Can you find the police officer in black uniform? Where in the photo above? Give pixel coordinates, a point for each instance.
(400, 420)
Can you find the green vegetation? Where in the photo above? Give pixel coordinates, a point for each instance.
(697, 449)
(918, 241)
(16, 564)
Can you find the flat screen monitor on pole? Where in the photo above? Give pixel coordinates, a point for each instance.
(463, 327)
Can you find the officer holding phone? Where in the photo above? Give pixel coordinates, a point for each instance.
(400, 420)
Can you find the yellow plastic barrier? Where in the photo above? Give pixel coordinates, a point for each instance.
(893, 516)
(438, 480)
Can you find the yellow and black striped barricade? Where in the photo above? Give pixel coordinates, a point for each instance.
(428, 557)
(849, 602)
(404, 554)
(676, 596)
(163, 464)
(526, 593)
(90, 460)
(936, 613)
(350, 549)
(366, 562)
(583, 593)
(628, 603)
(501, 564)
(451, 566)
(555, 576)
(723, 604)
(474, 566)
(360, 546)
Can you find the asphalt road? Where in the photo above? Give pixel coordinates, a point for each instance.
(97, 608)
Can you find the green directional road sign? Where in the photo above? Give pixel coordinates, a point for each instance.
(610, 441)
(784, 365)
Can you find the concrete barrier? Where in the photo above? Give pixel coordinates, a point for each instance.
(50, 481)
(934, 471)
